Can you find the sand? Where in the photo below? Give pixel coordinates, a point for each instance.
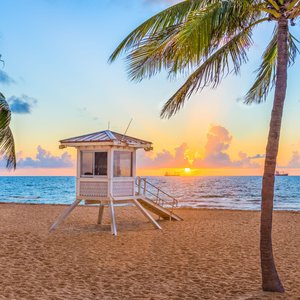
(212, 254)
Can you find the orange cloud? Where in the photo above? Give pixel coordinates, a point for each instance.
(215, 155)
(164, 159)
(215, 158)
(294, 161)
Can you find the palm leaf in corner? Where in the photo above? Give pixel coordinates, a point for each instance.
(7, 144)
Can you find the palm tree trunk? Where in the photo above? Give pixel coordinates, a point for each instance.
(270, 278)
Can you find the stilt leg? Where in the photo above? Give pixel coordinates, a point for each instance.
(112, 215)
(63, 216)
(146, 214)
(100, 214)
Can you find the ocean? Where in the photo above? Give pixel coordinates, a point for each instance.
(209, 192)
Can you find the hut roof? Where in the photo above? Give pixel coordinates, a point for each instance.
(106, 137)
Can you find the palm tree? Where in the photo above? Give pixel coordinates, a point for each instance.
(209, 39)
(7, 145)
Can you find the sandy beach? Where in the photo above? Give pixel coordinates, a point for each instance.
(212, 254)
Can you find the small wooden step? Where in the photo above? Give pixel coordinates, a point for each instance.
(158, 210)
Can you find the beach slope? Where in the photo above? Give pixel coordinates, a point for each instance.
(212, 254)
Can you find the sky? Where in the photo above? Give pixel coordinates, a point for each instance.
(59, 84)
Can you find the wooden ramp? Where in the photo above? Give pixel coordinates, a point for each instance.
(158, 210)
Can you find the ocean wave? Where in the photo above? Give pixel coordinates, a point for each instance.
(211, 192)
(25, 197)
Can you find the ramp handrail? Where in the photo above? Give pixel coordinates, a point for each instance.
(142, 185)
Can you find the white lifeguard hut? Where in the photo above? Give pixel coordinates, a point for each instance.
(106, 175)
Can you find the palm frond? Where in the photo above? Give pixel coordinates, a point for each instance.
(292, 4)
(181, 46)
(7, 148)
(294, 12)
(153, 55)
(228, 58)
(292, 48)
(5, 114)
(171, 16)
(274, 4)
(205, 30)
(7, 145)
(266, 73)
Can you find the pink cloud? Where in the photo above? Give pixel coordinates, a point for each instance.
(215, 155)
(218, 141)
(45, 159)
(164, 159)
(294, 161)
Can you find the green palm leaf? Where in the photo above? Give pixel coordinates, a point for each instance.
(7, 148)
(7, 145)
(228, 58)
(186, 42)
(5, 114)
(207, 38)
(171, 16)
(266, 73)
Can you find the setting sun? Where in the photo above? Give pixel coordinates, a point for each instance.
(187, 170)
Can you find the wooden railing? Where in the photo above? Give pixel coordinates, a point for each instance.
(154, 193)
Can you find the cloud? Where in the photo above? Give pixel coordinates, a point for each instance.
(295, 161)
(5, 78)
(244, 161)
(164, 159)
(215, 155)
(218, 141)
(257, 156)
(44, 159)
(22, 104)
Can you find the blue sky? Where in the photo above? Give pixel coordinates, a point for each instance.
(56, 55)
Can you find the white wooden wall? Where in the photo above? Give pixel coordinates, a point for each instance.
(97, 187)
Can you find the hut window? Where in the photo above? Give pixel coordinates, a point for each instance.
(100, 163)
(87, 163)
(93, 163)
(122, 164)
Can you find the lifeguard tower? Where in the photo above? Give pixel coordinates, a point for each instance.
(106, 175)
